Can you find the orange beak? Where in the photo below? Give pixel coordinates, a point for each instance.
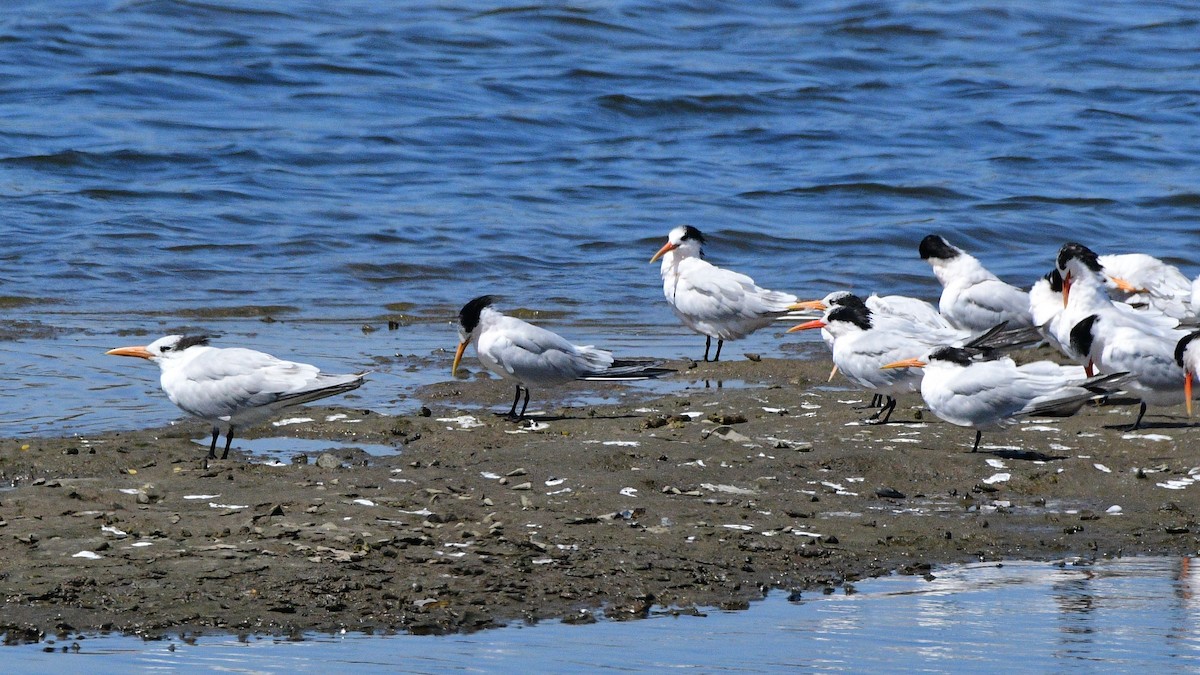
(1187, 391)
(1066, 288)
(139, 352)
(667, 248)
(832, 373)
(809, 304)
(462, 347)
(906, 363)
(808, 325)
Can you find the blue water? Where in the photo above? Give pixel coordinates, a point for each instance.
(1113, 616)
(206, 164)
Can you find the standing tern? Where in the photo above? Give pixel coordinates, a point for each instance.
(972, 297)
(235, 387)
(528, 355)
(985, 395)
(862, 343)
(1146, 353)
(715, 302)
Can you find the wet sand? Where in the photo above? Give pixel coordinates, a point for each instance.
(710, 496)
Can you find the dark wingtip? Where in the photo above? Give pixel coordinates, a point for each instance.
(1081, 335)
(933, 246)
(468, 316)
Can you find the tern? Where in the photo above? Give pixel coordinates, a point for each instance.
(972, 297)
(714, 302)
(914, 310)
(862, 343)
(1143, 280)
(1047, 311)
(233, 388)
(1085, 292)
(1149, 356)
(528, 355)
(985, 395)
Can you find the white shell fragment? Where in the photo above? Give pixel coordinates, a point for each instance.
(629, 492)
(90, 555)
(997, 478)
(291, 420)
(462, 422)
(1101, 467)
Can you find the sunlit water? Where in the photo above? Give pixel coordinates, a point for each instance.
(1112, 616)
(171, 165)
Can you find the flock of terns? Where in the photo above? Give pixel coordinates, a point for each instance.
(1118, 319)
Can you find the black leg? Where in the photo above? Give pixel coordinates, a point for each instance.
(882, 415)
(228, 440)
(887, 409)
(978, 435)
(720, 343)
(707, 345)
(877, 401)
(212, 449)
(1141, 413)
(524, 405)
(512, 412)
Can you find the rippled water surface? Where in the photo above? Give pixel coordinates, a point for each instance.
(286, 173)
(1113, 616)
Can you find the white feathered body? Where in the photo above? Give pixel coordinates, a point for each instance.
(716, 302)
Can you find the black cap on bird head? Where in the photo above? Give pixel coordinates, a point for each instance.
(692, 234)
(859, 315)
(962, 357)
(934, 246)
(190, 341)
(468, 316)
(1072, 250)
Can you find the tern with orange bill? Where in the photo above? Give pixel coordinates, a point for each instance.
(982, 395)
(1146, 353)
(234, 388)
(526, 355)
(714, 302)
(1187, 355)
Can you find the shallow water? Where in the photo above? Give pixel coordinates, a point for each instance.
(286, 174)
(1115, 615)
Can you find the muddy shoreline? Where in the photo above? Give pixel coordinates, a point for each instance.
(709, 496)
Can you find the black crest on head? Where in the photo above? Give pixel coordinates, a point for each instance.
(468, 316)
(1081, 335)
(692, 234)
(934, 246)
(190, 341)
(848, 300)
(1079, 252)
(858, 315)
(1182, 346)
(952, 354)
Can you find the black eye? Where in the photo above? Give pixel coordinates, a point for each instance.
(165, 348)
